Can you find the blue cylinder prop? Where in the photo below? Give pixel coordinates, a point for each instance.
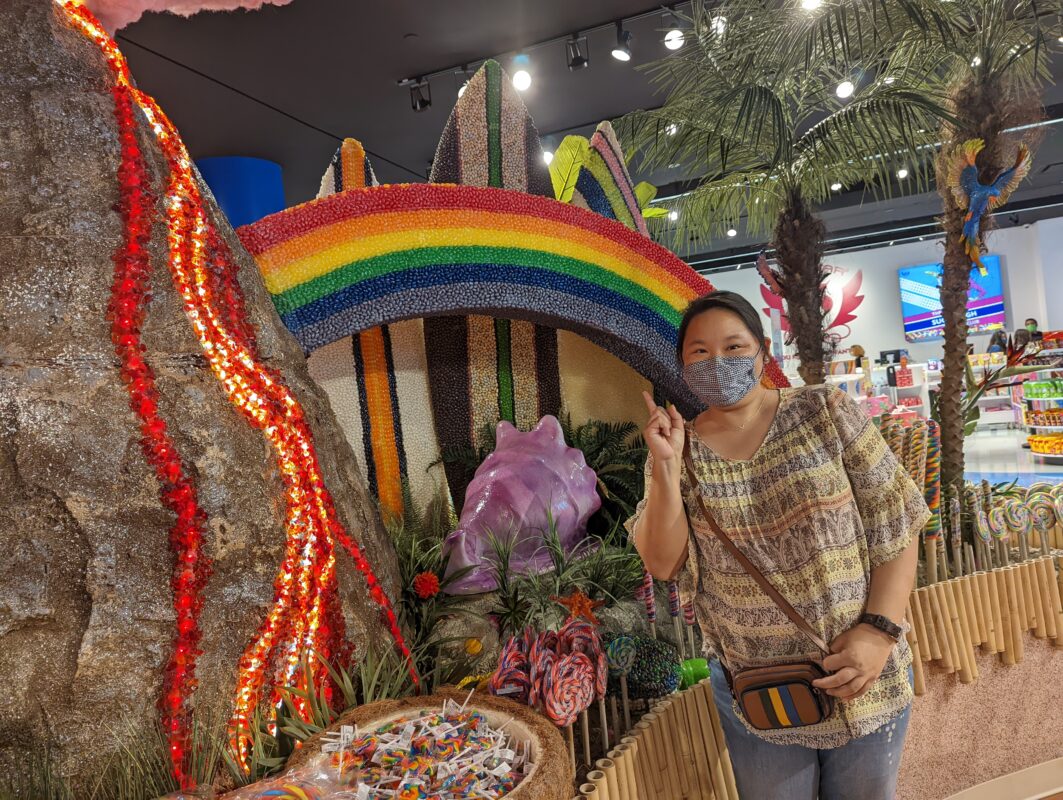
(247, 189)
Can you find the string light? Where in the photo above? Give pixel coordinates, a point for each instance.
(305, 621)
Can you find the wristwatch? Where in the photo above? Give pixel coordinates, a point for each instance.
(884, 624)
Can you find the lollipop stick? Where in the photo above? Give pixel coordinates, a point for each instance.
(605, 724)
(626, 703)
(680, 640)
(571, 746)
(585, 725)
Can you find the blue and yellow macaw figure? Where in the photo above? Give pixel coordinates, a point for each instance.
(979, 198)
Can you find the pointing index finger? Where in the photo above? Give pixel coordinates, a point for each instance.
(650, 405)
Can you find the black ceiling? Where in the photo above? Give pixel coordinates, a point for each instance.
(286, 83)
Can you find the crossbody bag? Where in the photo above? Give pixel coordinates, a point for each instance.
(780, 696)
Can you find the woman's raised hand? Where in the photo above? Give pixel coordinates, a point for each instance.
(664, 433)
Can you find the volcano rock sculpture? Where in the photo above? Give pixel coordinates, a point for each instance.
(86, 616)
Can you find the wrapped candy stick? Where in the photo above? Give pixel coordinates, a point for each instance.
(650, 601)
(932, 495)
(956, 531)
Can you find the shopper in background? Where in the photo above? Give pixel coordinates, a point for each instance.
(802, 482)
(1021, 338)
(998, 343)
(1031, 326)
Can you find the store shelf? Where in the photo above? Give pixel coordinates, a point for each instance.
(1049, 428)
(1057, 351)
(1054, 399)
(1000, 400)
(1056, 458)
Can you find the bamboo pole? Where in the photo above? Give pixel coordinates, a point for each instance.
(679, 726)
(589, 790)
(962, 633)
(637, 754)
(926, 613)
(916, 610)
(981, 594)
(601, 783)
(729, 788)
(943, 625)
(1049, 569)
(713, 759)
(1029, 578)
(1000, 598)
(919, 686)
(625, 773)
(1020, 597)
(669, 724)
(979, 630)
(665, 774)
(698, 747)
(608, 767)
(651, 774)
(1042, 582)
(1014, 612)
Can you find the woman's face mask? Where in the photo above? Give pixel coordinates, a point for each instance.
(722, 380)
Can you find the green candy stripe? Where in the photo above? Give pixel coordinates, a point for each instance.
(399, 261)
(507, 408)
(494, 123)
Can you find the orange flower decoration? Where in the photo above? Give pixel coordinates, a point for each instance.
(426, 585)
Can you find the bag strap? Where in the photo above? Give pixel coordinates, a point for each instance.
(747, 565)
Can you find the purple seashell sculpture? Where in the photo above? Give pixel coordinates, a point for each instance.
(529, 478)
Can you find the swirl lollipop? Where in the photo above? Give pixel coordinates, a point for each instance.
(290, 790)
(1043, 518)
(997, 522)
(620, 655)
(1041, 487)
(571, 689)
(1017, 515)
(577, 635)
(1018, 519)
(539, 673)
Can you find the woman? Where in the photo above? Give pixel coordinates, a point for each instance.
(803, 483)
(998, 342)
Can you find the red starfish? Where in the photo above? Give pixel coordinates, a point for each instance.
(579, 605)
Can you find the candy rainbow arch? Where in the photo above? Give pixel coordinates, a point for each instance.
(378, 255)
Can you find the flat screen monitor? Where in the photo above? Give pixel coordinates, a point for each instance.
(921, 302)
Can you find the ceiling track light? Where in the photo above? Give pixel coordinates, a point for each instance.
(622, 49)
(461, 78)
(674, 37)
(420, 95)
(578, 51)
(522, 78)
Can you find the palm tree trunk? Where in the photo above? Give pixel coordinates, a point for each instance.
(956, 271)
(984, 110)
(799, 236)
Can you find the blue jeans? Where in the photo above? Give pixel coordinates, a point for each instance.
(864, 769)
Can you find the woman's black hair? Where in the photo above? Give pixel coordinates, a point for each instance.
(999, 337)
(728, 301)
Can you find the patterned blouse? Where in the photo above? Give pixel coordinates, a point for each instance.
(817, 507)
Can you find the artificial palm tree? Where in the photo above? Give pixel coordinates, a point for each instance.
(998, 66)
(777, 108)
